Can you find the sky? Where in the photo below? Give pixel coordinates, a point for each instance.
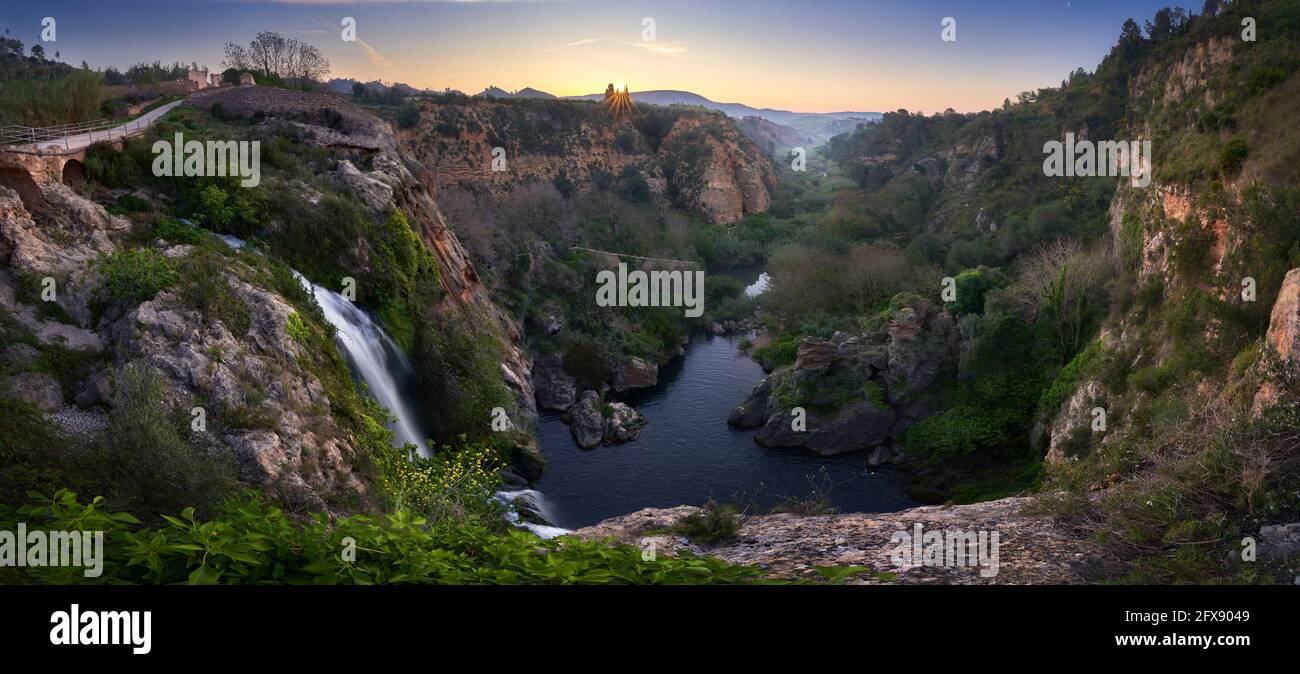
(802, 55)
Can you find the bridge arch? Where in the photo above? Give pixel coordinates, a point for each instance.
(21, 182)
(73, 174)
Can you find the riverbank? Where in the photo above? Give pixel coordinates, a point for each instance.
(687, 454)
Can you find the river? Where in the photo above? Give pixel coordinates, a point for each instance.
(687, 454)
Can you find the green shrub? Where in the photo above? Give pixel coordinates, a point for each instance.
(129, 203)
(714, 523)
(251, 543)
(297, 329)
(145, 462)
(135, 275)
(779, 352)
(175, 231)
(1232, 156)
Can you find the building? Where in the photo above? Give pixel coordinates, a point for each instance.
(199, 78)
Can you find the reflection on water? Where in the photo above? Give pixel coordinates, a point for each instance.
(687, 454)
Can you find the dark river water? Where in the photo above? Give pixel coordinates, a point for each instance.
(687, 454)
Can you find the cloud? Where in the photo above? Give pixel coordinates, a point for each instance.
(374, 56)
(579, 43)
(667, 48)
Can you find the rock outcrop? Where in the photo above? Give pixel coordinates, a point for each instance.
(855, 392)
(703, 158)
(265, 410)
(593, 422)
(1032, 549)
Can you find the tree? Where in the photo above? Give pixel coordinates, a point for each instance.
(38, 52)
(358, 89)
(1065, 284)
(280, 57)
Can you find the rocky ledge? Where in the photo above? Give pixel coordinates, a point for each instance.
(1032, 549)
(857, 392)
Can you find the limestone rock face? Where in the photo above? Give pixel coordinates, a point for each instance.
(1075, 417)
(1032, 549)
(704, 159)
(855, 392)
(1284, 322)
(555, 389)
(1282, 337)
(635, 373)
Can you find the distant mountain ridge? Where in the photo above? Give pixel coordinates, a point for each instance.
(819, 126)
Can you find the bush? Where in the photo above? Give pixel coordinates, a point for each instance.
(146, 464)
(135, 275)
(1232, 156)
(128, 204)
(715, 523)
(779, 352)
(251, 542)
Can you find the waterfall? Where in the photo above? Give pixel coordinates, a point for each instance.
(527, 503)
(377, 360)
(373, 356)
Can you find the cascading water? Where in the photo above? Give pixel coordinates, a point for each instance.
(372, 355)
(377, 360)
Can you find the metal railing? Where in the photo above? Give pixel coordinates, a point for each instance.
(26, 135)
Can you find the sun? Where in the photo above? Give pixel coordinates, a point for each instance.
(617, 99)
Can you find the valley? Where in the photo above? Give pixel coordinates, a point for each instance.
(505, 327)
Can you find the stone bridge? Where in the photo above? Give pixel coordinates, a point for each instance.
(59, 154)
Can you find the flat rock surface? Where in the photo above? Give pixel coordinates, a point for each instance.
(1032, 549)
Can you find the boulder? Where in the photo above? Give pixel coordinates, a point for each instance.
(592, 421)
(859, 426)
(585, 421)
(754, 411)
(553, 388)
(623, 424)
(635, 373)
(37, 388)
(96, 389)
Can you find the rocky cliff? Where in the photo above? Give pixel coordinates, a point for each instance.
(857, 392)
(693, 158)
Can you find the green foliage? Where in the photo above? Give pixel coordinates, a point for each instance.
(1068, 379)
(204, 286)
(30, 458)
(297, 329)
(1232, 156)
(779, 352)
(128, 204)
(175, 231)
(972, 284)
(251, 542)
(70, 99)
(714, 523)
(148, 464)
(135, 275)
